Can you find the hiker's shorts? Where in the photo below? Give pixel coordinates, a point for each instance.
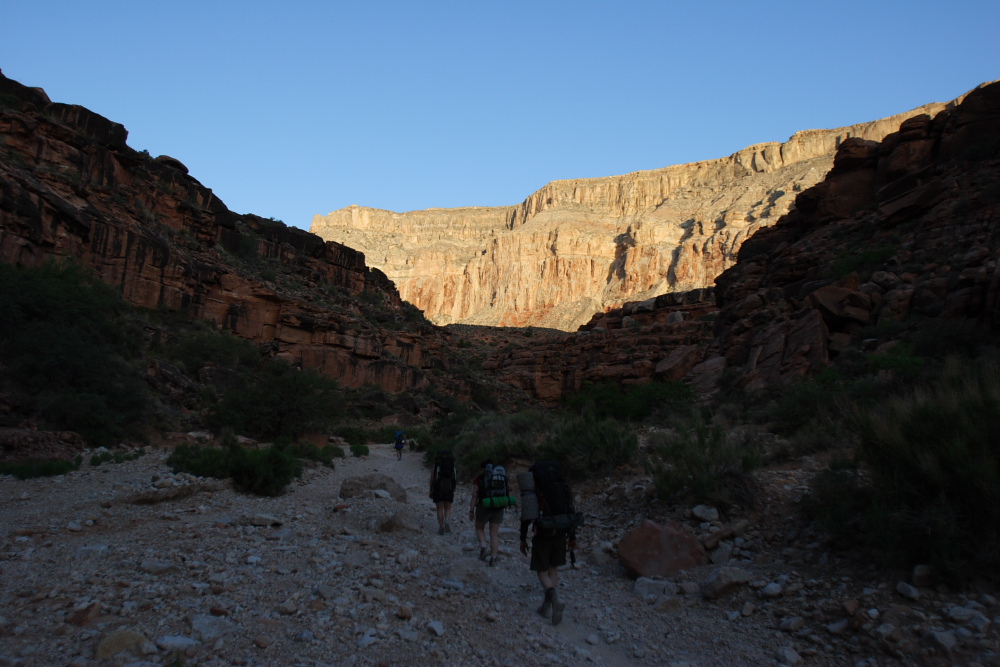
(438, 496)
(484, 515)
(547, 552)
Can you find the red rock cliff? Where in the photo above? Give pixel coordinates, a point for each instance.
(71, 187)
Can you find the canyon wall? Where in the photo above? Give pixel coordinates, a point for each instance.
(579, 247)
(901, 235)
(70, 187)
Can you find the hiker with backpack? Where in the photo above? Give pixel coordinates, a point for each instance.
(547, 509)
(400, 443)
(443, 481)
(490, 496)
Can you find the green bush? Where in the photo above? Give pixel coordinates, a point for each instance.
(493, 436)
(115, 457)
(359, 450)
(196, 348)
(702, 461)
(635, 403)
(202, 461)
(67, 342)
(836, 500)
(280, 402)
(934, 460)
(39, 468)
(324, 455)
(263, 472)
(590, 447)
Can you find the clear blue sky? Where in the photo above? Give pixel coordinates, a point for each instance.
(288, 109)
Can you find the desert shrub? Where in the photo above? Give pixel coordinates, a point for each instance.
(635, 403)
(588, 446)
(67, 341)
(280, 402)
(934, 461)
(836, 500)
(115, 457)
(308, 452)
(354, 435)
(491, 436)
(863, 261)
(198, 347)
(900, 360)
(263, 472)
(201, 461)
(701, 460)
(359, 450)
(39, 468)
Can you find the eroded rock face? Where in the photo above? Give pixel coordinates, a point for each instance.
(906, 227)
(665, 338)
(580, 247)
(71, 187)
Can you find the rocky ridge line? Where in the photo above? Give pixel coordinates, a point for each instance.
(578, 247)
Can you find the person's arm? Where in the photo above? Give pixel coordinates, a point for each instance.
(475, 499)
(525, 524)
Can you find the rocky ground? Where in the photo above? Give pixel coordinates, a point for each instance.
(129, 564)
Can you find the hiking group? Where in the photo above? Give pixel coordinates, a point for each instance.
(547, 513)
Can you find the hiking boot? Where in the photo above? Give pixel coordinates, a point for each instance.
(483, 553)
(494, 560)
(440, 530)
(545, 609)
(557, 611)
(447, 528)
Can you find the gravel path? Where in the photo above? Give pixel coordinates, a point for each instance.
(128, 564)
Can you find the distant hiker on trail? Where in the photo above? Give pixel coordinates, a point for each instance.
(489, 497)
(547, 508)
(443, 480)
(400, 443)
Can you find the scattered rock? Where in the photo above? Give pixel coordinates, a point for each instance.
(120, 641)
(723, 581)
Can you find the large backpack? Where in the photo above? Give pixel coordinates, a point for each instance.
(444, 473)
(494, 482)
(555, 501)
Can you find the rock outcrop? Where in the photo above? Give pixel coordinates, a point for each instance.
(906, 227)
(902, 228)
(70, 187)
(584, 246)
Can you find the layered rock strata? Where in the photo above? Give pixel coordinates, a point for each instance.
(909, 227)
(70, 187)
(663, 338)
(578, 247)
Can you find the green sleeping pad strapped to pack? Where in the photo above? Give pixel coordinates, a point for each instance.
(496, 502)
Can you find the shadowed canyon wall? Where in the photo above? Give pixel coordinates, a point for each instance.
(900, 234)
(70, 187)
(580, 247)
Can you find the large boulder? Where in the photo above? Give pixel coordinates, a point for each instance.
(353, 487)
(653, 550)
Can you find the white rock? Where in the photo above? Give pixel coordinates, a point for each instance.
(175, 643)
(705, 513)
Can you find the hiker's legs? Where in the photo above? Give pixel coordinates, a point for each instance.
(494, 538)
(549, 578)
(447, 515)
(440, 513)
(481, 534)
